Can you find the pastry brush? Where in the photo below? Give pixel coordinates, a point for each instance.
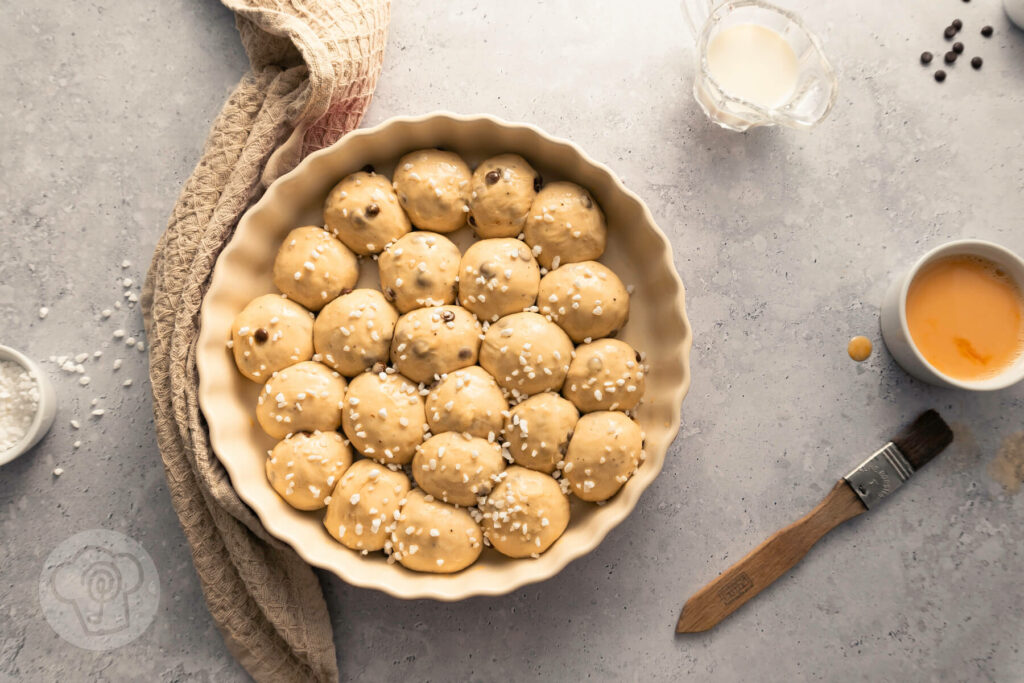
(862, 489)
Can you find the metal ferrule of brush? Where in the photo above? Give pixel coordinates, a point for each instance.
(880, 475)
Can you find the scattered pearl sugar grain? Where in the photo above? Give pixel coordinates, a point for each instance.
(19, 400)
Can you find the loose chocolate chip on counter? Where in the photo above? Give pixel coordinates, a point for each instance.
(368, 168)
(986, 31)
(940, 75)
(261, 335)
(447, 316)
(493, 176)
(958, 48)
(949, 57)
(949, 32)
(976, 62)
(538, 182)
(926, 57)
(372, 210)
(957, 24)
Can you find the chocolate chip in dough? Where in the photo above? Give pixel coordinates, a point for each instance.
(368, 168)
(940, 75)
(378, 368)
(926, 57)
(958, 48)
(447, 316)
(472, 221)
(347, 290)
(976, 62)
(986, 31)
(260, 335)
(587, 201)
(372, 210)
(493, 176)
(465, 354)
(538, 182)
(389, 294)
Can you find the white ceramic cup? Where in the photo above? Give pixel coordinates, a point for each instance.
(894, 317)
(45, 411)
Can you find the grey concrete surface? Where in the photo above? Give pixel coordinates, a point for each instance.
(785, 240)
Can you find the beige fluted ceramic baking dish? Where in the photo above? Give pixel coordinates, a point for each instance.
(637, 250)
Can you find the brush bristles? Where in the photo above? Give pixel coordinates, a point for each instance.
(923, 439)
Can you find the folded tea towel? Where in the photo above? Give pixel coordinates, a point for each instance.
(314, 65)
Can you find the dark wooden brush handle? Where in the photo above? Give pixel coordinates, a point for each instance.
(768, 561)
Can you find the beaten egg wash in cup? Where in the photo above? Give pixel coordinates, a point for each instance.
(957, 318)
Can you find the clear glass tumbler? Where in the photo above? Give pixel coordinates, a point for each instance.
(815, 91)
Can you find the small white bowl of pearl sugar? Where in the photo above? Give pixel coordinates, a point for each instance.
(27, 404)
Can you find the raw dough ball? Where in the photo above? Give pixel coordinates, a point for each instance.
(457, 468)
(304, 468)
(605, 450)
(433, 188)
(435, 341)
(605, 375)
(498, 277)
(361, 512)
(525, 513)
(565, 225)
(431, 536)
(383, 417)
(538, 431)
(313, 268)
(467, 400)
(526, 353)
(420, 269)
(270, 334)
(586, 299)
(363, 212)
(353, 332)
(303, 397)
(504, 188)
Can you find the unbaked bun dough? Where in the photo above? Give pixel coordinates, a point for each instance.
(303, 397)
(565, 225)
(525, 513)
(313, 268)
(433, 188)
(526, 353)
(362, 509)
(605, 375)
(419, 269)
(538, 431)
(497, 277)
(270, 334)
(457, 468)
(605, 450)
(467, 400)
(383, 417)
(304, 468)
(431, 536)
(363, 212)
(504, 188)
(353, 332)
(586, 299)
(434, 341)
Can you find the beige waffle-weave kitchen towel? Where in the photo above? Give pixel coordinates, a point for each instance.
(314, 65)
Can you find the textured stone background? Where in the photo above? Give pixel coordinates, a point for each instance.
(785, 241)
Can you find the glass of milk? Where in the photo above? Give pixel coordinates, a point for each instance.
(758, 66)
